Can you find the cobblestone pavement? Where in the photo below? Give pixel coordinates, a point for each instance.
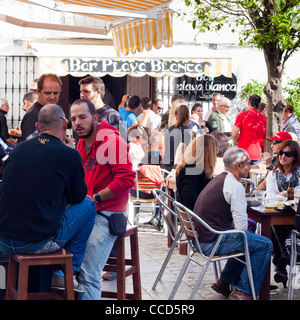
(153, 250)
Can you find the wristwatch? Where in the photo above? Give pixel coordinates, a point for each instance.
(97, 197)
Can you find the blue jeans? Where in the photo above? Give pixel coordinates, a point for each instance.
(98, 249)
(235, 272)
(72, 234)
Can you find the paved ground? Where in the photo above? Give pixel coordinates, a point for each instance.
(153, 250)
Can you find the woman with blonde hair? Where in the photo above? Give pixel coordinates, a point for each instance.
(196, 169)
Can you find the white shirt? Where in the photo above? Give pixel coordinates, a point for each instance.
(227, 125)
(154, 120)
(136, 154)
(234, 194)
(271, 184)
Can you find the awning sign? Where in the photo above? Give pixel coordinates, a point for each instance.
(119, 67)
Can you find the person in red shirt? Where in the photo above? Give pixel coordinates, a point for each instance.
(109, 177)
(250, 128)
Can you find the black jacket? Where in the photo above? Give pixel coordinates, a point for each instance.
(29, 120)
(3, 126)
(41, 177)
(190, 182)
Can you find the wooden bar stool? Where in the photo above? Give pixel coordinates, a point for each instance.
(119, 264)
(24, 261)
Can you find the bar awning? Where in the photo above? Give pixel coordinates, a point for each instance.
(135, 24)
(136, 67)
(141, 34)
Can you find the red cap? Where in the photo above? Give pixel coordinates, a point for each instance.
(281, 136)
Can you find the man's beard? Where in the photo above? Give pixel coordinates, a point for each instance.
(89, 133)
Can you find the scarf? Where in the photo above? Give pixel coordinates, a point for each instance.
(283, 182)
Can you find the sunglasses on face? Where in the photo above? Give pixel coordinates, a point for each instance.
(288, 154)
(276, 142)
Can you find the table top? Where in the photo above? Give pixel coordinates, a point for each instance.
(276, 212)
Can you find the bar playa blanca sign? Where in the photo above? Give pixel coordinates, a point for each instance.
(204, 85)
(136, 67)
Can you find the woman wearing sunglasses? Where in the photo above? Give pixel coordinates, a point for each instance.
(286, 169)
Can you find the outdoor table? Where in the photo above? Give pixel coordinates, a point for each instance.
(267, 219)
(171, 189)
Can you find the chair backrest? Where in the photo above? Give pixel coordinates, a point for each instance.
(186, 218)
(171, 217)
(165, 173)
(144, 184)
(249, 186)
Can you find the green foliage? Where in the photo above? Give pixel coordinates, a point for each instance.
(259, 23)
(292, 91)
(252, 87)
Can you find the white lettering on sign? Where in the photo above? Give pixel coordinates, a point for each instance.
(134, 66)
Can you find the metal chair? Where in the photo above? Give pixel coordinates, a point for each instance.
(166, 174)
(186, 217)
(293, 262)
(146, 185)
(171, 221)
(248, 184)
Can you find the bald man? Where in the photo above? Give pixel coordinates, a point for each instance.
(49, 209)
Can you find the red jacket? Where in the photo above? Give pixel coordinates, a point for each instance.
(107, 164)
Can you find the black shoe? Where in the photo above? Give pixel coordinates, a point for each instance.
(273, 287)
(156, 223)
(280, 277)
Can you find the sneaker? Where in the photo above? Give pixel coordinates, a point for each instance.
(58, 282)
(109, 276)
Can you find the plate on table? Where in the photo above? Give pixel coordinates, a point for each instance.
(253, 202)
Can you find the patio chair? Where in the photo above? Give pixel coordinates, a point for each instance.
(166, 174)
(175, 230)
(144, 184)
(293, 281)
(186, 216)
(249, 186)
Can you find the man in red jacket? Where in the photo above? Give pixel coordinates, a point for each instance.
(109, 177)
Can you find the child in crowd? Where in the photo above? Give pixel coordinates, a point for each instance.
(136, 137)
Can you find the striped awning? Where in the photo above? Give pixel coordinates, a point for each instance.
(135, 24)
(142, 34)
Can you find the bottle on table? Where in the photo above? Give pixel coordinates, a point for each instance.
(290, 190)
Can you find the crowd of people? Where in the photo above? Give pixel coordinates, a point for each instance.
(89, 177)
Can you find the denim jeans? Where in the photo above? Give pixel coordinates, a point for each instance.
(235, 272)
(98, 249)
(72, 234)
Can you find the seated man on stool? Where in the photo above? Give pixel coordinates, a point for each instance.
(43, 196)
(222, 204)
(109, 177)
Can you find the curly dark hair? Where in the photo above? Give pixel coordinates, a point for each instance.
(223, 143)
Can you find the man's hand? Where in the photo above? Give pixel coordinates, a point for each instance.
(124, 100)
(69, 142)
